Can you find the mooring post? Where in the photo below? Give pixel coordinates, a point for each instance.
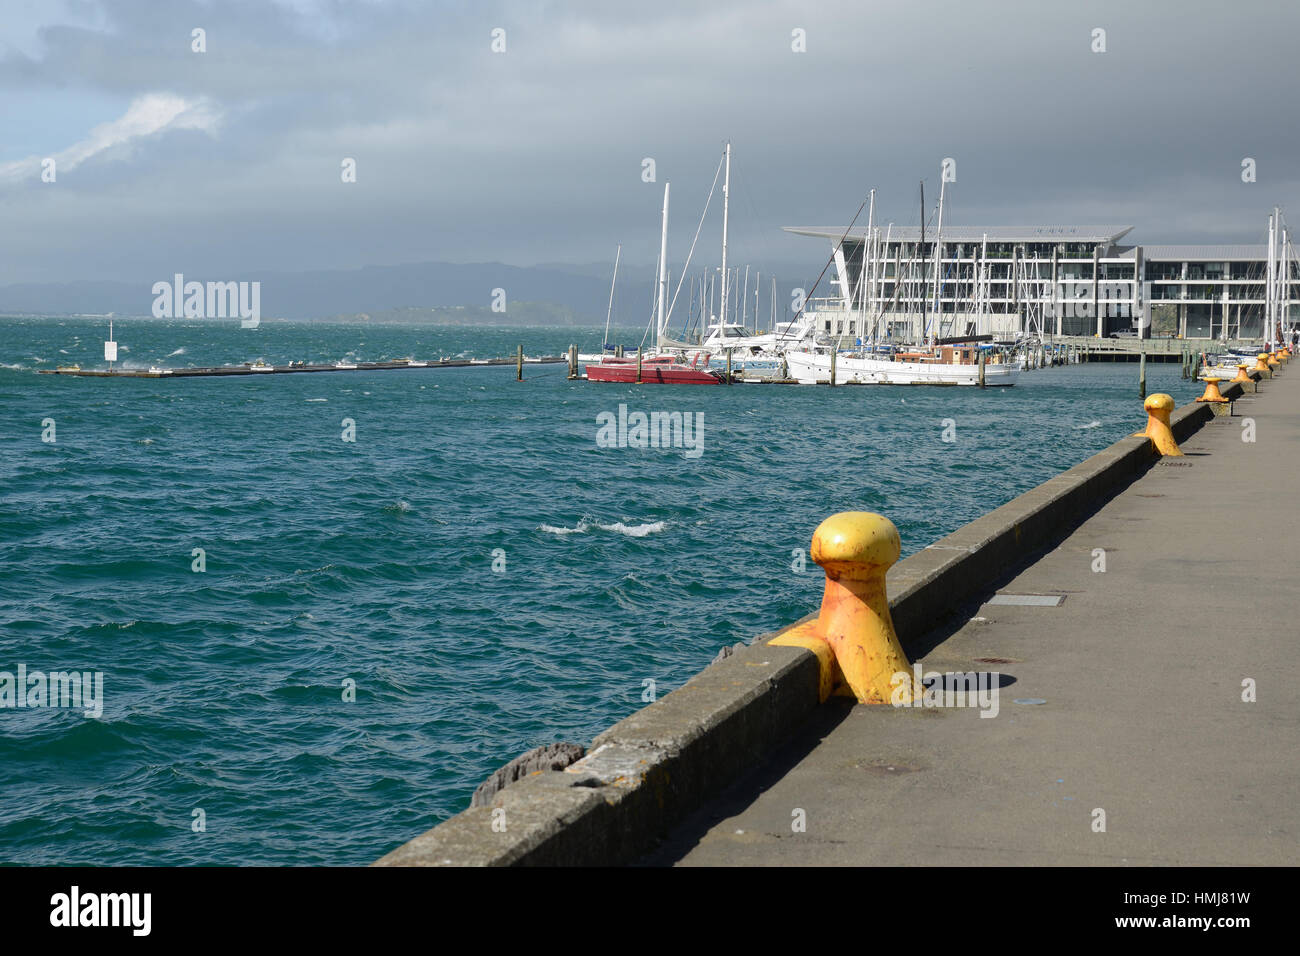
(519, 364)
(573, 361)
(638, 365)
(853, 636)
(728, 366)
(834, 352)
(1142, 374)
(1214, 398)
(1158, 408)
(981, 368)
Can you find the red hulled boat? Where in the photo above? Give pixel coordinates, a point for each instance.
(659, 370)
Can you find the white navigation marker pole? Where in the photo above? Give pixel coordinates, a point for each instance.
(110, 347)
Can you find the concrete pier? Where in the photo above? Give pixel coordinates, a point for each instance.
(1127, 606)
(1135, 689)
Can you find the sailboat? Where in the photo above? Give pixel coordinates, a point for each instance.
(656, 369)
(749, 350)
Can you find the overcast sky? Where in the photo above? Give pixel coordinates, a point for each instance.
(213, 163)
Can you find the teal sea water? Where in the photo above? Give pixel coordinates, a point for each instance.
(372, 561)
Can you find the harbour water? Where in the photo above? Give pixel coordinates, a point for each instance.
(487, 574)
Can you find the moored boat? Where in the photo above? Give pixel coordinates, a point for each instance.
(656, 370)
(944, 365)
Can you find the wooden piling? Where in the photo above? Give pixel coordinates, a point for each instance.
(638, 365)
(834, 352)
(573, 362)
(519, 363)
(1142, 374)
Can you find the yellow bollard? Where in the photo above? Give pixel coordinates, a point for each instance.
(853, 636)
(1212, 393)
(1261, 362)
(1158, 407)
(1272, 361)
(1241, 374)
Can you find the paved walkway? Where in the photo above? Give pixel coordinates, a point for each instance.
(1140, 669)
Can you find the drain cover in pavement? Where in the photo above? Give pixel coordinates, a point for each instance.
(1028, 600)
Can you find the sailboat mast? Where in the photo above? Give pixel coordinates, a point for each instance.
(744, 302)
(982, 289)
(1268, 297)
(726, 197)
(610, 311)
(920, 253)
(862, 283)
(938, 257)
(663, 268)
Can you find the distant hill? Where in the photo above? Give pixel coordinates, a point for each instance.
(459, 293)
(373, 289)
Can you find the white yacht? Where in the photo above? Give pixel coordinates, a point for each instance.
(943, 365)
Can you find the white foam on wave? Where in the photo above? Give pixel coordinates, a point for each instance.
(617, 527)
(179, 351)
(634, 531)
(317, 399)
(1092, 424)
(552, 529)
(12, 365)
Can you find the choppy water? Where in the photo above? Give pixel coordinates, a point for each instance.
(372, 561)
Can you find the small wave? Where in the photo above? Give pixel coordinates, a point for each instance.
(179, 351)
(618, 527)
(15, 366)
(317, 399)
(634, 531)
(552, 529)
(1092, 424)
(401, 508)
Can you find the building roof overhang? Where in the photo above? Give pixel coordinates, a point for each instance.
(1103, 235)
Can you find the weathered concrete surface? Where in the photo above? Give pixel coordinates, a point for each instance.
(538, 760)
(1141, 670)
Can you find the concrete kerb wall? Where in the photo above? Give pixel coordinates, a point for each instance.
(645, 774)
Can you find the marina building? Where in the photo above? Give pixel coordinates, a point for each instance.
(1051, 281)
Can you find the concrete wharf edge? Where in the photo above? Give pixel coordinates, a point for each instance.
(654, 768)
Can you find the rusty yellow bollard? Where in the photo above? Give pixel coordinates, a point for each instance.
(1158, 408)
(1241, 374)
(1261, 365)
(1212, 393)
(1214, 398)
(853, 636)
(1272, 361)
